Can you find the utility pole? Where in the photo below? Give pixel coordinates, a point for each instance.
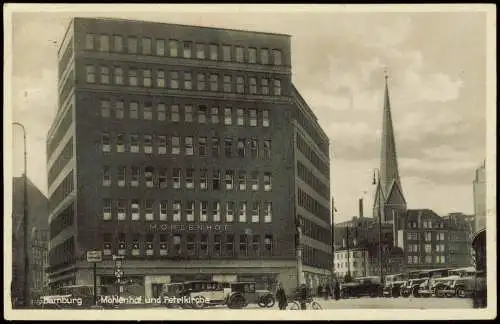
(25, 219)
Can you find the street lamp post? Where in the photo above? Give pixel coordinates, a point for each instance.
(380, 211)
(25, 218)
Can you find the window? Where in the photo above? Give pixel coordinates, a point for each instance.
(105, 142)
(163, 245)
(202, 146)
(106, 177)
(187, 49)
(148, 144)
(177, 244)
(256, 244)
(188, 143)
(227, 83)
(106, 209)
(228, 144)
(240, 84)
(135, 245)
(148, 110)
(202, 114)
(118, 73)
(428, 236)
(188, 113)
(146, 46)
(240, 117)
(90, 73)
(252, 85)
(89, 41)
(148, 176)
(264, 86)
(163, 210)
(428, 248)
(133, 110)
(412, 236)
(264, 56)
(107, 240)
(243, 212)
(105, 109)
(268, 213)
(191, 244)
(268, 244)
(176, 178)
(174, 80)
(265, 118)
(119, 114)
(135, 175)
(203, 179)
(190, 211)
(104, 75)
(148, 210)
(242, 181)
(173, 47)
(189, 178)
(241, 147)
(149, 244)
(132, 77)
(160, 112)
(135, 209)
(201, 82)
(122, 244)
(176, 210)
(216, 211)
(214, 82)
(121, 176)
(160, 47)
(188, 85)
(254, 148)
(117, 43)
(253, 117)
(277, 87)
(277, 57)
(229, 179)
(134, 143)
(132, 45)
(162, 178)
(217, 244)
(174, 110)
(216, 180)
(239, 54)
(176, 150)
(267, 181)
(215, 147)
(146, 78)
(267, 149)
(440, 236)
(200, 51)
(428, 259)
(203, 211)
(229, 245)
(214, 52)
(254, 181)
(252, 55)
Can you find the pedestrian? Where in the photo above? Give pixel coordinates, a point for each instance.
(281, 297)
(337, 290)
(303, 296)
(328, 291)
(320, 290)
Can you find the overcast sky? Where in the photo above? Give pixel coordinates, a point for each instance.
(437, 67)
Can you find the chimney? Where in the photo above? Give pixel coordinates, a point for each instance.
(360, 207)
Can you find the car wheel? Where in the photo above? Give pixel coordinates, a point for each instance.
(199, 302)
(460, 291)
(395, 292)
(237, 302)
(415, 292)
(261, 302)
(345, 294)
(315, 305)
(294, 306)
(270, 301)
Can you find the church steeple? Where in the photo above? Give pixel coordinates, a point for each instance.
(389, 171)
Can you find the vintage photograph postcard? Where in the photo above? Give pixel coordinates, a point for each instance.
(249, 162)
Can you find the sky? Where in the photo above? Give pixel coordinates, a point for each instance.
(437, 83)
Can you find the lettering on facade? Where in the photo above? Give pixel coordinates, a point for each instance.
(188, 227)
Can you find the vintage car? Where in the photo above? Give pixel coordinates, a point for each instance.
(171, 294)
(439, 285)
(366, 286)
(244, 293)
(460, 287)
(411, 287)
(196, 294)
(393, 284)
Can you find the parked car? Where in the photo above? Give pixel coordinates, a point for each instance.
(264, 297)
(411, 287)
(393, 284)
(460, 287)
(440, 285)
(367, 286)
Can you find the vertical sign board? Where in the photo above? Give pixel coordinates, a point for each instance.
(94, 257)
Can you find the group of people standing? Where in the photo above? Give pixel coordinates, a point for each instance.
(331, 289)
(303, 293)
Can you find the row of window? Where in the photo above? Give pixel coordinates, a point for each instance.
(415, 259)
(315, 231)
(313, 206)
(158, 78)
(61, 161)
(412, 248)
(188, 244)
(244, 117)
(188, 211)
(241, 147)
(414, 236)
(59, 133)
(314, 182)
(312, 156)
(62, 191)
(64, 219)
(352, 254)
(185, 49)
(158, 178)
(426, 224)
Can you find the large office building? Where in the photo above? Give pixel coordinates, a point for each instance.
(188, 151)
